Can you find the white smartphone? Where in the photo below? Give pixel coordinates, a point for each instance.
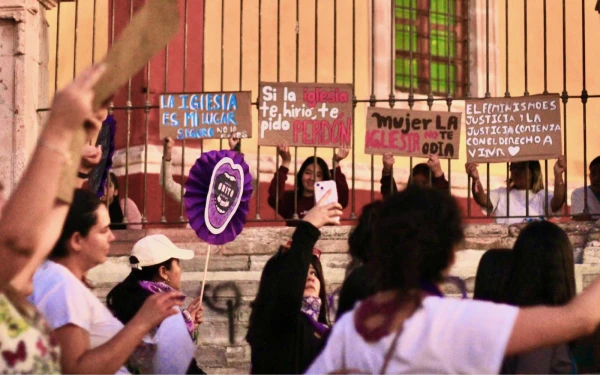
(321, 189)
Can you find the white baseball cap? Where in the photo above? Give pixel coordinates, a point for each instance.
(157, 248)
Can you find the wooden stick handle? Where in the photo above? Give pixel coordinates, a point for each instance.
(204, 275)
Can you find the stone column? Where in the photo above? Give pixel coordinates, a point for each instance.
(23, 83)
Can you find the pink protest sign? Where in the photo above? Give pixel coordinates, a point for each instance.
(305, 114)
(412, 133)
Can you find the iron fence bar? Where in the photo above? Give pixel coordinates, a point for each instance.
(411, 24)
(185, 55)
(526, 93)
(223, 55)
(507, 95)
(295, 215)
(111, 105)
(203, 65)
(335, 66)
(448, 92)
(163, 218)
(147, 127)
(316, 76)
(128, 130)
(584, 97)
(392, 97)
(546, 184)
(487, 52)
(94, 32)
(353, 208)
(488, 95)
(372, 90)
(241, 62)
(58, 46)
(355, 101)
(564, 94)
(429, 74)
(75, 38)
(277, 192)
(468, 93)
(257, 216)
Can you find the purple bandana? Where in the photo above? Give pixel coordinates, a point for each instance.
(311, 306)
(160, 287)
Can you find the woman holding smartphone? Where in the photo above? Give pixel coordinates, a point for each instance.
(288, 324)
(313, 170)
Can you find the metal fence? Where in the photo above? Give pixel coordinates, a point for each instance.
(430, 55)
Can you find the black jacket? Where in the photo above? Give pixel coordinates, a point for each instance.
(282, 338)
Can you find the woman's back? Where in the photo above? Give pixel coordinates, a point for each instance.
(445, 335)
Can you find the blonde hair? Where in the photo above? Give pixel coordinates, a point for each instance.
(536, 179)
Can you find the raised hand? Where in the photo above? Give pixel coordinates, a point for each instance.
(324, 214)
(388, 162)
(169, 142)
(341, 154)
(560, 166)
(472, 171)
(233, 141)
(196, 311)
(434, 164)
(284, 151)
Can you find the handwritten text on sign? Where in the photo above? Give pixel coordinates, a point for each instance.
(206, 115)
(513, 129)
(412, 133)
(305, 114)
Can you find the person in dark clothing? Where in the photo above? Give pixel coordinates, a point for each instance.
(428, 174)
(358, 284)
(492, 275)
(288, 324)
(542, 273)
(116, 206)
(312, 170)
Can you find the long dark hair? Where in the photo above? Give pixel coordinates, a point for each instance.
(359, 240)
(543, 269)
(80, 219)
(492, 275)
(256, 323)
(309, 161)
(114, 209)
(414, 239)
(126, 298)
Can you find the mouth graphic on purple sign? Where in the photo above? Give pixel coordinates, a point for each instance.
(217, 196)
(224, 194)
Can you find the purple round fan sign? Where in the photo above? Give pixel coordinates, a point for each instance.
(217, 196)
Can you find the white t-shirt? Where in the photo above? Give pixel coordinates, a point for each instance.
(63, 299)
(517, 204)
(445, 335)
(577, 199)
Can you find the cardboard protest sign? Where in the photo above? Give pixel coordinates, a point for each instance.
(412, 133)
(305, 114)
(513, 129)
(148, 32)
(206, 115)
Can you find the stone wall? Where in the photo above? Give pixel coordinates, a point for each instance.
(235, 269)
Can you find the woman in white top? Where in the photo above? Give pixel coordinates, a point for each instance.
(520, 192)
(408, 327)
(90, 338)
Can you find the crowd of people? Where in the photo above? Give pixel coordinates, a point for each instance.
(391, 316)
